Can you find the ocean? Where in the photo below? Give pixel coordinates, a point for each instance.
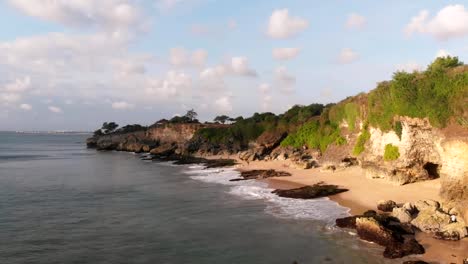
(63, 203)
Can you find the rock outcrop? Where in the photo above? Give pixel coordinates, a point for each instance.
(261, 174)
(397, 238)
(310, 192)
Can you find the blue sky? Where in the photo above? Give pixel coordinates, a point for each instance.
(74, 64)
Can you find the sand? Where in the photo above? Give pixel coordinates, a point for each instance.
(364, 194)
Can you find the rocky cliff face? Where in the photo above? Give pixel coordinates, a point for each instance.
(424, 153)
(174, 136)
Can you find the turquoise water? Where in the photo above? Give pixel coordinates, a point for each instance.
(63, 203)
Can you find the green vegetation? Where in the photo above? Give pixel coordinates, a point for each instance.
(245, 130)
(361, 141)
(314, 135)
(437, 93)
(348, 112)
(107, 127)
(398, 129)
(223, 119)
(189, 117)
(391, 152)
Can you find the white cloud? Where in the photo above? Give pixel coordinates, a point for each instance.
(183, 58)
(224, 104)
(25, 107)
(355, 21)
(240, 65)
(285, 80)
(116, 16)
(450, 22)
(410, 66)
(213, 73)
(347, 55)
(9, 97)
(55, 109)
(199, 57)
(442, 53)
(19, 85)
(212, 78)
(285, 53)
(264, 88)
(122, 105)
(174, 83)
(281, 25)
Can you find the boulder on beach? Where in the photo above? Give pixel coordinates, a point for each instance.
(386, 205)
(431, 221)
(402, 214)
(397, 238)
(310, 192)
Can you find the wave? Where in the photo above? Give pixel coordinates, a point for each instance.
(322, 209)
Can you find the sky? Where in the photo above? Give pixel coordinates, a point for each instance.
(74, 64)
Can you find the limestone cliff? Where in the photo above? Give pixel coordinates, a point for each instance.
(174, 135)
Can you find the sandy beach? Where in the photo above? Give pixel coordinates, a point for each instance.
(364, 194)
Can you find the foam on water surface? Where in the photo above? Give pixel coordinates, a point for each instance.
(322, 209)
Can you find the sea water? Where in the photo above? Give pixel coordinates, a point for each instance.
(63, 203)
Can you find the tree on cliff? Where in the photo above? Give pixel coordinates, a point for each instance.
(109, 127)
(191, 115)
(222, 119)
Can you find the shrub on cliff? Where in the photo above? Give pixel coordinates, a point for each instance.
(391, 152)
(436, 93)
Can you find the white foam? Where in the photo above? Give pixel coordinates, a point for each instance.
(319, 209)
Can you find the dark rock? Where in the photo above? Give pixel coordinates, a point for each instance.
(208, 163)
(386, 205)
(347, 222)
(368, 228)
(270, 140)
(261, 174)
(164, 150)
(310, 192)
(398, 250)
(397, 238)
(370, 213)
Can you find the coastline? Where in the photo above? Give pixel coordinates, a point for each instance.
(363, 195)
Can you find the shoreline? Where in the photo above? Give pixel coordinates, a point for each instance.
(363, 195)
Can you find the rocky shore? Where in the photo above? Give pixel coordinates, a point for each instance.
(430, 158)
(396, 226)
